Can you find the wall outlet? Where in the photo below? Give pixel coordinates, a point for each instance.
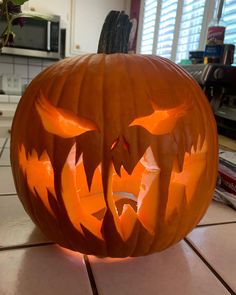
(10, 84)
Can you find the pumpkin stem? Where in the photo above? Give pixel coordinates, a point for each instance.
(115, 33)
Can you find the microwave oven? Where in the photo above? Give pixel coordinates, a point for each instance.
(39, 37)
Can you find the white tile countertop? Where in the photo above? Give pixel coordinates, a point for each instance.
(204, 263)
(6, 98)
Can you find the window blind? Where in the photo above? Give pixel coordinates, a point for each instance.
(229, 18)
(148, 28)
(190, 28)
(166, 28)
(172, 28)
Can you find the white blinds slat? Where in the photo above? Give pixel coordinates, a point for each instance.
(166, 27)
(190, 28)
(150, 7)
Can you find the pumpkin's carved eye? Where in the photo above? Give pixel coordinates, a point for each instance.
(60, 122)
(161, 121)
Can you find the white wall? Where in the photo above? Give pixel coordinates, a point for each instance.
(87, 21)
(63, 7)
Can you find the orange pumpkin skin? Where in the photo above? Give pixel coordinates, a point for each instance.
(114, 155)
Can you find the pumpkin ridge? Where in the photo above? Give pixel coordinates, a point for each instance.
(54, 140)
(167, 64)
(73, 72)
(206, 114)
(160, 208)
(159, 222)
(100, 127)
(61, 97)
(130, 60)
(181, 73)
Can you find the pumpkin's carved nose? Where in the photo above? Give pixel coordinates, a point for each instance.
(120, 143)
(121, 154)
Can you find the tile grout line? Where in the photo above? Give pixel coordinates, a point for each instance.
(213, 224)
(90, 275)
(3, 146)
(23, 246)
(8, 194)
(214, 272)
(85, 257)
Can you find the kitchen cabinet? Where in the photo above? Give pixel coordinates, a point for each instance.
(57, 7)
(87, 18)
(83, 20)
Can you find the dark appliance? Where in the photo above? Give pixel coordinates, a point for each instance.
(218, 81)
(39, 37)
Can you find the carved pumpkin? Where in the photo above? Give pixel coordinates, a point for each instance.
(114, 155)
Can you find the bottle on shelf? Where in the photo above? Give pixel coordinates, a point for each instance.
(215, 35)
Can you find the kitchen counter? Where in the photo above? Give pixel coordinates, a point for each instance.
(30, 264)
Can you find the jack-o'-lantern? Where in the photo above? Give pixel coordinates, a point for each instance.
(114, 155)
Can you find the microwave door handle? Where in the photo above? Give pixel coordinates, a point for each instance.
(49, 36)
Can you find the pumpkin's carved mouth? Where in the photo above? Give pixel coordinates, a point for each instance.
(128, 199)
(84, 203)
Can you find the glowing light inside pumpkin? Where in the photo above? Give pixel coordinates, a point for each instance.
(161, 121)
(194, 166)
(87, 208)
(131, 198)
(61, 122)
(39, 173)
